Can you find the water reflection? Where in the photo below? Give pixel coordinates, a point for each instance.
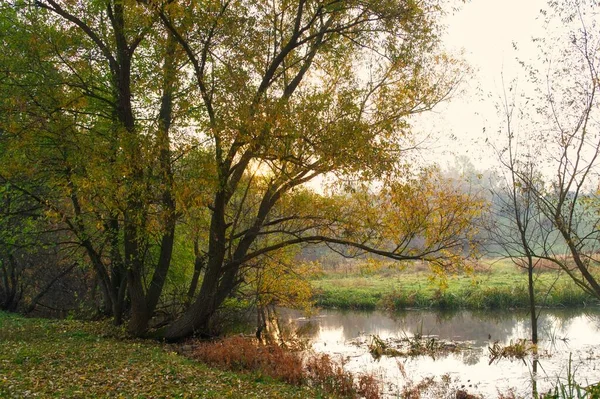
(562, 332)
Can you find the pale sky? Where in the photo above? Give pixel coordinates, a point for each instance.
(485, 30)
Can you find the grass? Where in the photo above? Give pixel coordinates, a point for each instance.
(569, 388)
(493, 285)
(74, 359)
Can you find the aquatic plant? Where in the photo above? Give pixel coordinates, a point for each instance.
(518, 349)
(569, 388)
(417, 345)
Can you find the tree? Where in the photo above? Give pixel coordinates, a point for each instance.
(299, 89)
(260, 98)
(517, 225)
(99, 122)
(552, 213)
(553, 191)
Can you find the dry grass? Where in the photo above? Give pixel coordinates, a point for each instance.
(317, 370)
(519, 349)
(244, 354)
(412, 347)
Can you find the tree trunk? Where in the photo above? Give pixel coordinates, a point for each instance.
(199, 264)
(119, 304)
(196, 319)
(144, 303)
(31, 306)
(117, 268)
(221, 277)
(9, 297)
(166, 177)
(108, 294)
(593, 285)
(532, 310)
(140, 314)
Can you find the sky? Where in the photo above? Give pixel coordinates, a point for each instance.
(484, 30)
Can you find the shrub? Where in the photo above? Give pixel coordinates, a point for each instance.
(246, 354)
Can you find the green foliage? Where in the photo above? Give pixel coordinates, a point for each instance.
(160, 124)
(500, 286)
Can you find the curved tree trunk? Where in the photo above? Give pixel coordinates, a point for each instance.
(199, 264)
(196, 318)
(144, 302)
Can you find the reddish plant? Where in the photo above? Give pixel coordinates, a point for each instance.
(241, 354)
(246, 354)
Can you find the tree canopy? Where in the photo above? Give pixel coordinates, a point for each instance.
(142, 123)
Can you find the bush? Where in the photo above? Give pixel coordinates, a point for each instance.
(246, 354)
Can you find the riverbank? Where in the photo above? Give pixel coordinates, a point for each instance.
(492, 285)
(74, 359)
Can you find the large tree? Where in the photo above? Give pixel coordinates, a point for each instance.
(90, 102)
(294, 90)
(139, 101)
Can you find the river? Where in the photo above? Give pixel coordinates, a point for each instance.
(567, 337)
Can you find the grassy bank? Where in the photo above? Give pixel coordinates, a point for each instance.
(73, 359)
(493, 285)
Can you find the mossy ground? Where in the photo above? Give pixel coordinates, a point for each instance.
(74, 359)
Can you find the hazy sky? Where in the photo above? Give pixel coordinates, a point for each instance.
(485, 30)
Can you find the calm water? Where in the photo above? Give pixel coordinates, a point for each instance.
(563, 334)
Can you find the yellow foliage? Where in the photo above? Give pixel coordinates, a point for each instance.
(282, 281)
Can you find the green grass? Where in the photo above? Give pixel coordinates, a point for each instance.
(498, 285)
(74, 359)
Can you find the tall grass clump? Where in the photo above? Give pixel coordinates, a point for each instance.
(397, 300)
(569, 388)
(568, 295)
(317, 370)
(477, 297)
(348, 299)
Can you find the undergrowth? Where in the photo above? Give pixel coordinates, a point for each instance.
(316, 370)
(570, 388)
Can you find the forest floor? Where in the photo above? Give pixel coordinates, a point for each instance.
(490, 284)
(75, 359)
